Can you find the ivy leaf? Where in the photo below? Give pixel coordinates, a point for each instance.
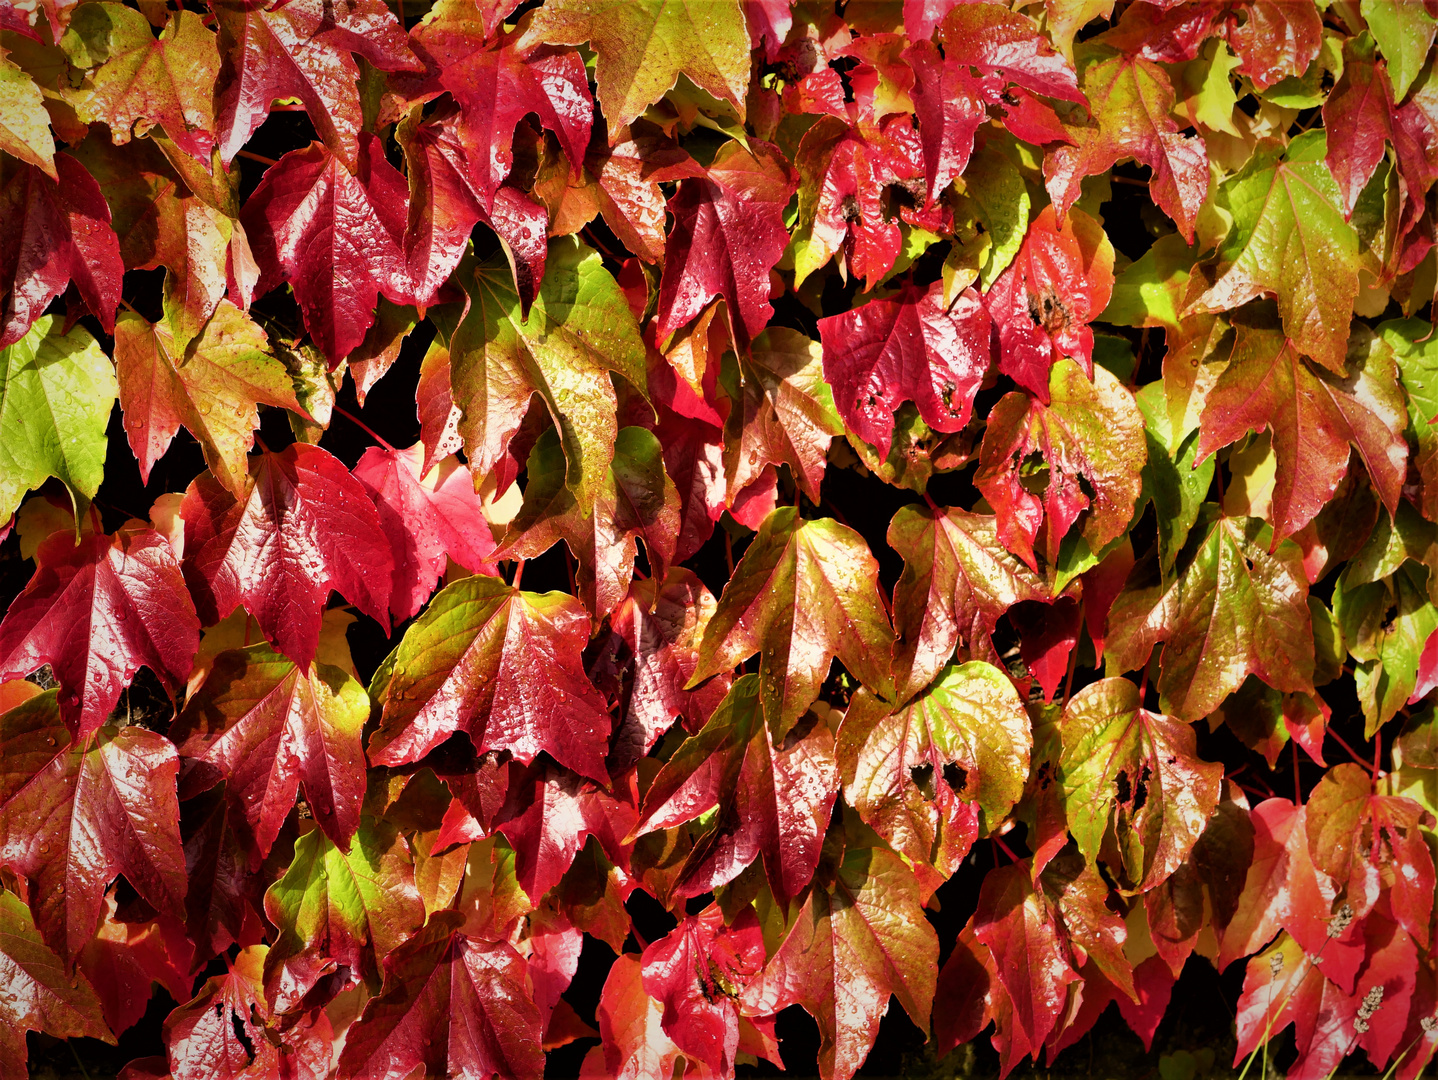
(628, 175)
(73, 816)
(804, 593)
(1405, 35)
(211, 386)
(429, 517)
(1041, 305)
(578, 331)
(451, 1005)
(852, 944)
(1090, 436)
(1131, 100)
(637, 499)
(633, 1044)
(1313, 418)
(1019, 925)
(698, 972)
(55, 233)
(1277, 40)
(42, 995)
(336, 237)
(728, 235)
(931, 776)
(997, 41)
(913, 348)
(1386, 626)
(302, 527)
(782, 414)
(774, 797)
(503, 666)
(339, 913)
(24, 123)
(1289, 239)
(1135, 772)
(958, 581)
(1362, 840)
(140, 81)
(88, 613)
(302, 51)
(1358, 115)
(497, 88)
(644, 47)
(264, 725)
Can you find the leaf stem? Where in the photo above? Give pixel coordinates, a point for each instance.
(357, 422)
(1297, 788)
(130, 308)
(1358, 759)
(252, 156)
(518, 574)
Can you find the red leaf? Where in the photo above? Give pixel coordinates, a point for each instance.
(336, 237)
(73, 816)
(302, 49)
(497, 88)
(1061, 278)
(124, 959)
(54, 233)
(698, 973)
(728, 234)
(95, 612)
(1048, 633)
(950, 105)
(1358, 114)
(913, 348)
(1018, 924)
(451, 1006)
(997, 41)
(1275, 39)
(428, 518)
(305, 527)
(633, 1043)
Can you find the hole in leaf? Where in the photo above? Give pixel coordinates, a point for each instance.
(923, 778)
(956, 776)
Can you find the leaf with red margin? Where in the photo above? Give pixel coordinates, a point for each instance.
(910, 348)
(211, 385)
(1358, 115)
(855, 942)
(1283, 987)
(124, 959)
(496, 88)
(304, 526)
(844, 176)
(1168, 33)
(224, 1031)
(728, 234)
(628, 175)
(1136, 773)
(339, 915)
(1020, 927)
(554, 947)
(967, 991)
(698, 972)
(662, 622)
(958, 581)
(1090, 436)
(1277, 39)
(96, 612)
(428, 518)
(547, 815)
(40, 992)
(1080, 896)
(804, 593)
(1313, 416)
(451, 1005)
(782, 413)
(1363, 841)
(636, 499)
(931, 776)
(633, 1044)
(997, 41)
(54, 233)
(502, 665)
(302, 50)
(1392, 964)
(265, 726)
(1048, 635)
(1041, 305)
(336, 237)
(1131, 102)
(74, 816)
(774, 799)
(950, 105)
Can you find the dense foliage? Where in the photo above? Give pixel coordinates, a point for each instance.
(904, 482)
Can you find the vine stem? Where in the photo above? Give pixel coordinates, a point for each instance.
(256, 157)
(1357, 758)
(357, 422)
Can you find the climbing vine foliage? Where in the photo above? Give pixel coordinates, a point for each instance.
(596, 528)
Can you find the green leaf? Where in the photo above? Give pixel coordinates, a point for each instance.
(1135, 772)
(1174, 481)
(55, 396)
(24, 123)
(995, 189)
(1289, 239)
(578, 330)
(804, 593)
(1415, 347)
(1385, 623)
(935, 774)
(335, 910)
(1404, 32)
